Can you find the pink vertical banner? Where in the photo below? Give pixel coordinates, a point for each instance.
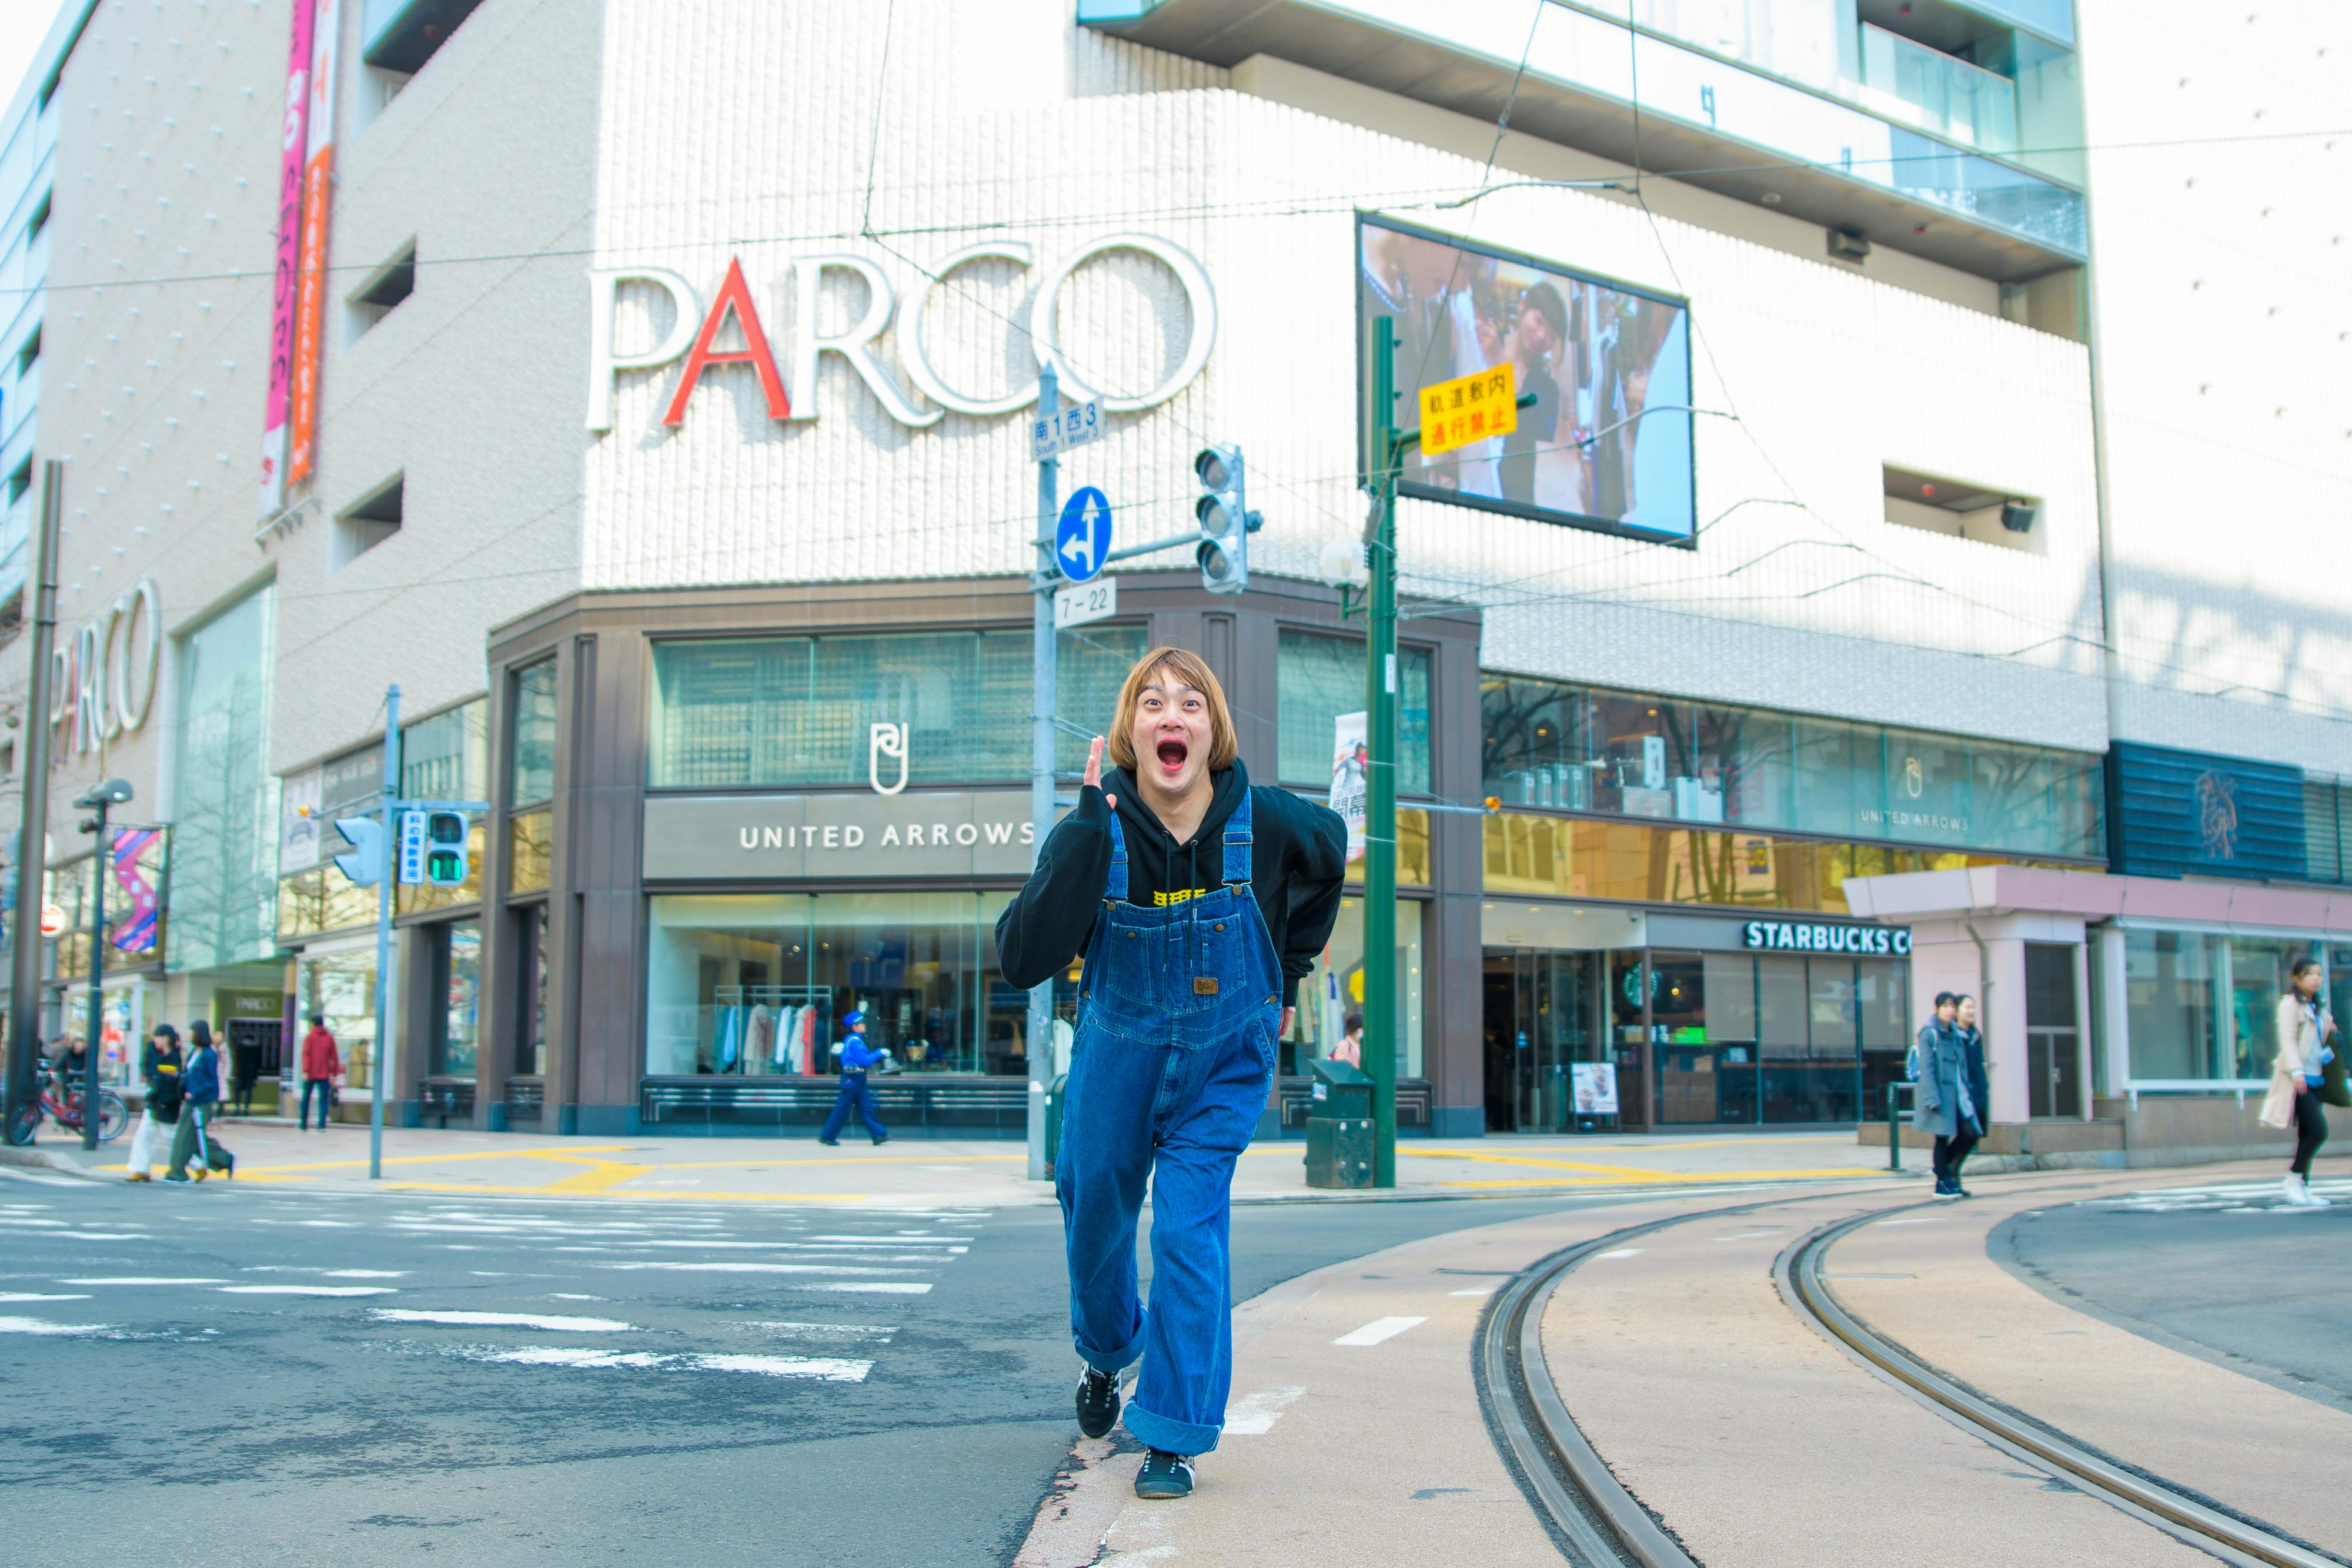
(318, 194)
(293, 141)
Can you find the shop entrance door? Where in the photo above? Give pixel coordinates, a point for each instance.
(2053, 1037)
(1542, 1025)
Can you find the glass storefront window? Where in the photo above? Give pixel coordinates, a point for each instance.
(1413, 850)
(532, 772)
(777, 712)
(447, 756)
(2258, 977)
(530, 847)
(1553, 746)
(2171, 1000)
(320, 900)
(755, 985)
(1570, 857)
(1317, 679)
(1741, 1040)
(531, 999)
(1335, 988)
(224, 888)
(457, 950)
(341, 988)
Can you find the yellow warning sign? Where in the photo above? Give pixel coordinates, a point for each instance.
(1469, 408)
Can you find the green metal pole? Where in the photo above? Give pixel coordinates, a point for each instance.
(1380, 774)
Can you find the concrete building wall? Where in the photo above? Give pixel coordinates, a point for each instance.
(2224, 331)
(1811, 373)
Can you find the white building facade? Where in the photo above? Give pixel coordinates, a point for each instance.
(653, 603)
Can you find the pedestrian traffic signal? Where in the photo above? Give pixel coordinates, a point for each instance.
(364, 865)
(445, 848)
(1226, 521)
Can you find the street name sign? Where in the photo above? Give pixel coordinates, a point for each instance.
(1082, 537)
(1051, 434)
(1081, 603)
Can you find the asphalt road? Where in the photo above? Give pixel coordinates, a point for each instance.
(2227, 1272)
(226, 1375)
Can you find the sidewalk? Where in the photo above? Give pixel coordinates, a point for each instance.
(924, 1172)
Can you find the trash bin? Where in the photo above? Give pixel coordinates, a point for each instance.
(1054, 1092)
(1338, 1126)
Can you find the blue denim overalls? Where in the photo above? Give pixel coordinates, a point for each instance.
(1171, 1067)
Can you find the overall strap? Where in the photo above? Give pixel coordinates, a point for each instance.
(1117, 892)
(1237, 844)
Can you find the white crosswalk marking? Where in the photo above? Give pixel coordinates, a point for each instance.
(1377, 1331)
(549, 1320)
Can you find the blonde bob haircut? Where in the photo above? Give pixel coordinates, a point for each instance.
(1192, 671)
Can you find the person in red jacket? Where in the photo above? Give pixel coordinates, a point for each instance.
(322, 1065)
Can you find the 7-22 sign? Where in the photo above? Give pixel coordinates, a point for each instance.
(1081, 603)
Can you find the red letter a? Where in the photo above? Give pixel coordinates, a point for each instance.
(733, 295)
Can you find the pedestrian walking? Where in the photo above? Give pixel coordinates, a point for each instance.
(2306, 1031)
(857, 1058)
(245, 1072)
(161, 1068)
(1351, 1048)
(1945, 1109)
(195, 1139)
(1200, 902)
(1972, 1060)
(322, 1065)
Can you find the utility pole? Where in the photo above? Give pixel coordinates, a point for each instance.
(1380, 771)
(383, 1063)
(32, 847)
(98, 801)
(1044, 705)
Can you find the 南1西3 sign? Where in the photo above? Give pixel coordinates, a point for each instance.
(1051, 434)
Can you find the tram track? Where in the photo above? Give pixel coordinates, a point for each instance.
(1598, 1523)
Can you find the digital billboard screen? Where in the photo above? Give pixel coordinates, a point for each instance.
(1606, 444)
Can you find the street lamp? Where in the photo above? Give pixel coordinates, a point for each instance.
(98, 801)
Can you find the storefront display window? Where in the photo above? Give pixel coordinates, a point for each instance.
(1573, 748)
(781, 712)
(341, 988)
(1335, 988)
(1318, 679)
(532, 769)
(2258, 977)
(320, 900)
(755, 985)
(2171, 997)
(135, 879)
(457, 950)
(531, 1000)
(1741, 1040)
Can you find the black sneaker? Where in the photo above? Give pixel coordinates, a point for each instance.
(830, 1142)
(1947, 1189)
(882, 1139)
(1097, 1402)
(1164, 1476)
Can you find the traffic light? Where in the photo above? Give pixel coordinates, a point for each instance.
(445, 848)
(1226, 521)
(364, 865)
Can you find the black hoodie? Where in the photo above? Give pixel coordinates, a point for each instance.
(1298, 859)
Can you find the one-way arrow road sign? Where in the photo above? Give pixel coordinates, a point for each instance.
(1082, 538)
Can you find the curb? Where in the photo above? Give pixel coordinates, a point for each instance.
(43, 1159)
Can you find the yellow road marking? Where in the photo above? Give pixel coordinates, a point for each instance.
(435, 1159)
(827, 1197)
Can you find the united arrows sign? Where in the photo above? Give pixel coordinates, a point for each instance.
(857, 837)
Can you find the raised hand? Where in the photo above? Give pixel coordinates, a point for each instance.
(1094, 771)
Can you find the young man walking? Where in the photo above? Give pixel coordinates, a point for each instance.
(1199, 902)
(195, 1139)
(322, 1065)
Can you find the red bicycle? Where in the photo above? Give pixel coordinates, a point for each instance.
(64, 1107)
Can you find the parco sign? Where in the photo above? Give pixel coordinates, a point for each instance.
(103, 682)
(695, 330)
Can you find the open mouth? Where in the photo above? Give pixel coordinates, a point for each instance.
(1172, 753)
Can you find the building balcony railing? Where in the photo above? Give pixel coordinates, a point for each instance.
(1919, 175)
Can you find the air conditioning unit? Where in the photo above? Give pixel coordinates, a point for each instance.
(1847, 246)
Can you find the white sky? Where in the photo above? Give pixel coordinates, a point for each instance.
(23, 25)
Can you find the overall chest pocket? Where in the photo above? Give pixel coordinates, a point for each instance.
(1187, 964)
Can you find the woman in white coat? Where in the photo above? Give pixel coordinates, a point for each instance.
(2303, 1030)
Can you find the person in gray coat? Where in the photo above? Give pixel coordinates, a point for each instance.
(1945, 1109)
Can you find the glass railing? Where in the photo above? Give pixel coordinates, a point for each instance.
(1793, 38)
(1592, 52)
(1937, 92)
